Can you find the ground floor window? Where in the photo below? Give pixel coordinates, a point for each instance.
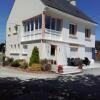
(25, 49)
(53, 48)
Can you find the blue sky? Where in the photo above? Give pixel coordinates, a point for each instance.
(90, 7)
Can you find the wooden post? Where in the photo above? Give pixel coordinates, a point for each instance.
(43, 24)
(43, 32)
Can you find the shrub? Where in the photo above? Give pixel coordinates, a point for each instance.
(24, 65)
(7, 61)
(46, 65)
(15, 63)
(10, 60)
(36, 67)
(44, 61)
(34, 59)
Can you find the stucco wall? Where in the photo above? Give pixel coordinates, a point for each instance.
(22, 10)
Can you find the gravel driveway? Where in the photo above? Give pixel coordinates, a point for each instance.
(83, 86)
(11, 72)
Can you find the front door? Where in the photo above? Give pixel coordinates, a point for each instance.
(53, 52)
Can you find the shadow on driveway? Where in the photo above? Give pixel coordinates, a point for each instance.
(86, 87)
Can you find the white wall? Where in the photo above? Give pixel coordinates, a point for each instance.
(81, 25)
(22, 10)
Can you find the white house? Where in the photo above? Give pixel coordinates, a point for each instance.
(57, 27)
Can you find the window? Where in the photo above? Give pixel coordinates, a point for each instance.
(36, 23)
(32, 25)
(72, 29)
(9, 29)
(25, 47)
(53, 24)
(47, 22)
(53, 50)
(87, 33)
(16, 28)
(28, 26)
(15, 45)
(11, 46)
(19, 46)
(40, 21)
(25, 28)
(58, 25)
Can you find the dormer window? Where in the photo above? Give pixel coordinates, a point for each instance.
(72, 29)
(87, 33)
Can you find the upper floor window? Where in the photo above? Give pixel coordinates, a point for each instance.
(87, 33)
(32, 25)
(47, 22)
(59, 25)
(29, 24)
(36, 23)
(72, 29)
(53, 23)
(40, 21)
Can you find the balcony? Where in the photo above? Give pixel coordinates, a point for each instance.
(42, 27)
(32, 35)
(37, 35)
(52, 35)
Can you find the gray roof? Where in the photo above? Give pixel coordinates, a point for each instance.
(65, 6)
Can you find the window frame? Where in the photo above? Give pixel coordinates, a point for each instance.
(55, 26)
(87, 33)
(74, 31)
(53, 47)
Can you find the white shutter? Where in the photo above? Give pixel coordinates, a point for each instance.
(88, 53)
(73, 52)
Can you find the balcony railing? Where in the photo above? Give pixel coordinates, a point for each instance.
(52, 35)
(36, 35)
(33, 35)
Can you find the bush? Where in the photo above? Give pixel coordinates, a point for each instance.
(10, 60)
(15, 63)
(46, 65)
(24, 65)
(7, 61)
(36, 67)
(34, 57)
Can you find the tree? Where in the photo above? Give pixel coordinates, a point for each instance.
(34, 59)
(2, 47)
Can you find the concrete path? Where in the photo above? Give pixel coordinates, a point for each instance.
(10, 72)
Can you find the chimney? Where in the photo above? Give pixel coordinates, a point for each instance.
(73, 2)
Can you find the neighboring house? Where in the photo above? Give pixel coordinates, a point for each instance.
(57, 27)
